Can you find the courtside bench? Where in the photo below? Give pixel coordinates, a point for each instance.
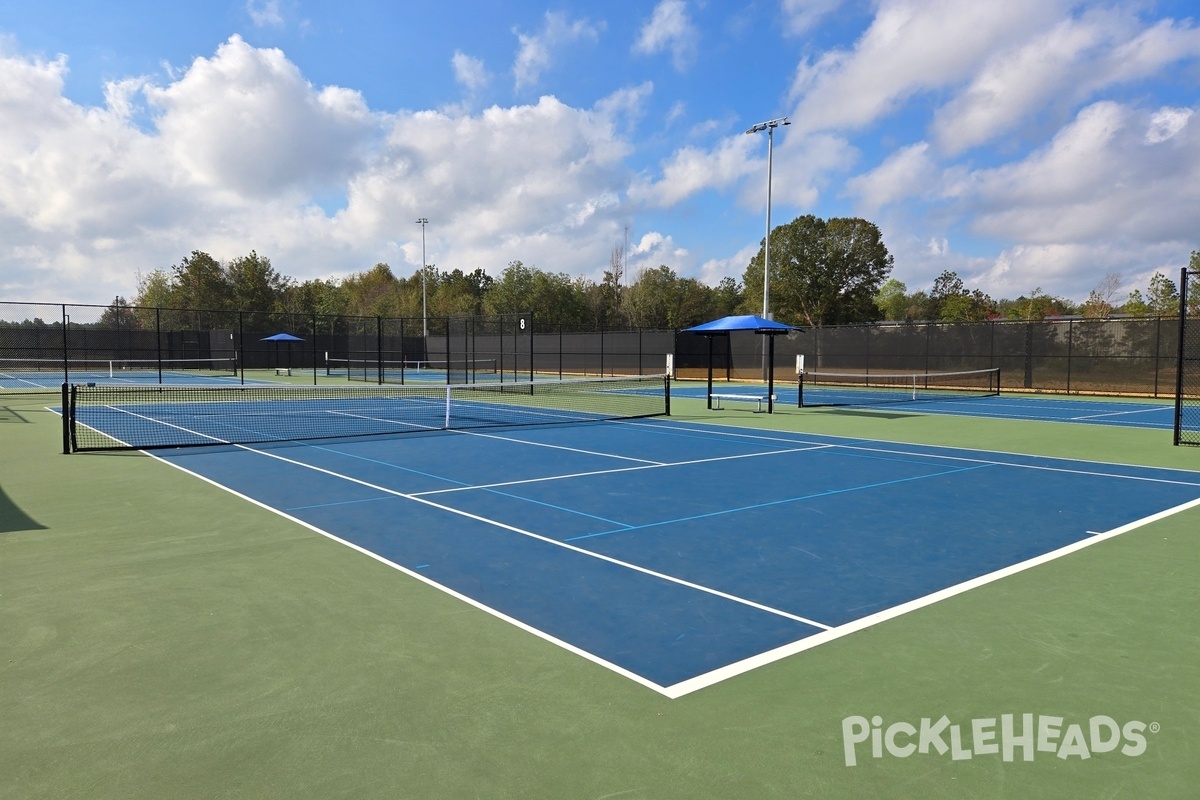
(283, 371)
(746, 398)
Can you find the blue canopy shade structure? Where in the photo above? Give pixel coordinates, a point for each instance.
(283, 337)
(746, 322)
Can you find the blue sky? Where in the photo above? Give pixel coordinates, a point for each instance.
(1025, 144)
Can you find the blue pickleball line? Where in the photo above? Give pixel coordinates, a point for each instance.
(826, 493)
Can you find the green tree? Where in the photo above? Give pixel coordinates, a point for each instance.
(1163, 297)
(154, 290)
(119, 316)
(319, 296)
(1136, 305)
(953, 302)
(254, 285)
(200, 282)
(461, 294)
(374, 293)
(551, 299)
(510, 293)
(646, 301)
(823, 272)
(726, 297)
(1038, 305)
(892, 300)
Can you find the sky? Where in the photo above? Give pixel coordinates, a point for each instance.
(1028, 144)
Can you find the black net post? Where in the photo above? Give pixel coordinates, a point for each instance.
(66, 418)
(1187, 374)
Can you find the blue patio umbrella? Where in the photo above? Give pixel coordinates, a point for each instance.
(282, 337)
(745, 322)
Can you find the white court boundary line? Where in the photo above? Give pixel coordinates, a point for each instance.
(731, 670)
(826, 634)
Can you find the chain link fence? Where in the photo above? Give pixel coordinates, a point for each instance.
(42, 346)
(1135, 356)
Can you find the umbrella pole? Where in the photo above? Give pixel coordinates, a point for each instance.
(771, 375)
(710, 365)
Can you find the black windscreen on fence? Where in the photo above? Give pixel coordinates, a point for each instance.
(42, 346)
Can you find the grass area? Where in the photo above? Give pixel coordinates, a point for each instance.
(160, 637)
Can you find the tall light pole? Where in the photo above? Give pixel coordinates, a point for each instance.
(769, 126)
(424, 308)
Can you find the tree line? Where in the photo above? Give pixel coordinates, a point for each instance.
(823, 272)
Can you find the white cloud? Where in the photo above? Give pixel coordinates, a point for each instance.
(801, 16)
(1166, 123)
(669, 29)
(239, 143)
(469, 71)
(1067, 64)
(910, 47)
(1097, 178)
(654, 249)
(265, 13)
(536, 50)
(694, 169)
(1112, 192)
(713, 270)
(907, 172)
(247, 121)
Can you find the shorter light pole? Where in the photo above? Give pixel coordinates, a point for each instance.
(424, 308)
(769, 126)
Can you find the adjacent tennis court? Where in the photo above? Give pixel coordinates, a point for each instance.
(1126, 413)
(676, 554)
(49, 373)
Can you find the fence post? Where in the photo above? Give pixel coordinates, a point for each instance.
(158, 340)
(1070, 350)
(1183, 315)
(1028, 382)
(1157, 346)
(241, 348)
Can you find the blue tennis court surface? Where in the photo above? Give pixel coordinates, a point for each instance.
(682, 554)
(1128, 414)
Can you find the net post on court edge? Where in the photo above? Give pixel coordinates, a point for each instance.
(66, 422)
(800, 380)
(670, 374)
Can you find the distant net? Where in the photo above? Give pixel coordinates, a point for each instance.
(852, 389)
(107, 417)
(38, 370)
(371, 370)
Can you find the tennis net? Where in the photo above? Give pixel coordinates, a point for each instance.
(114, 368)
(106, 417)
(852, 389)
(387, 371)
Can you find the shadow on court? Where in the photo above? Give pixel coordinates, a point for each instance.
(13, 519)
